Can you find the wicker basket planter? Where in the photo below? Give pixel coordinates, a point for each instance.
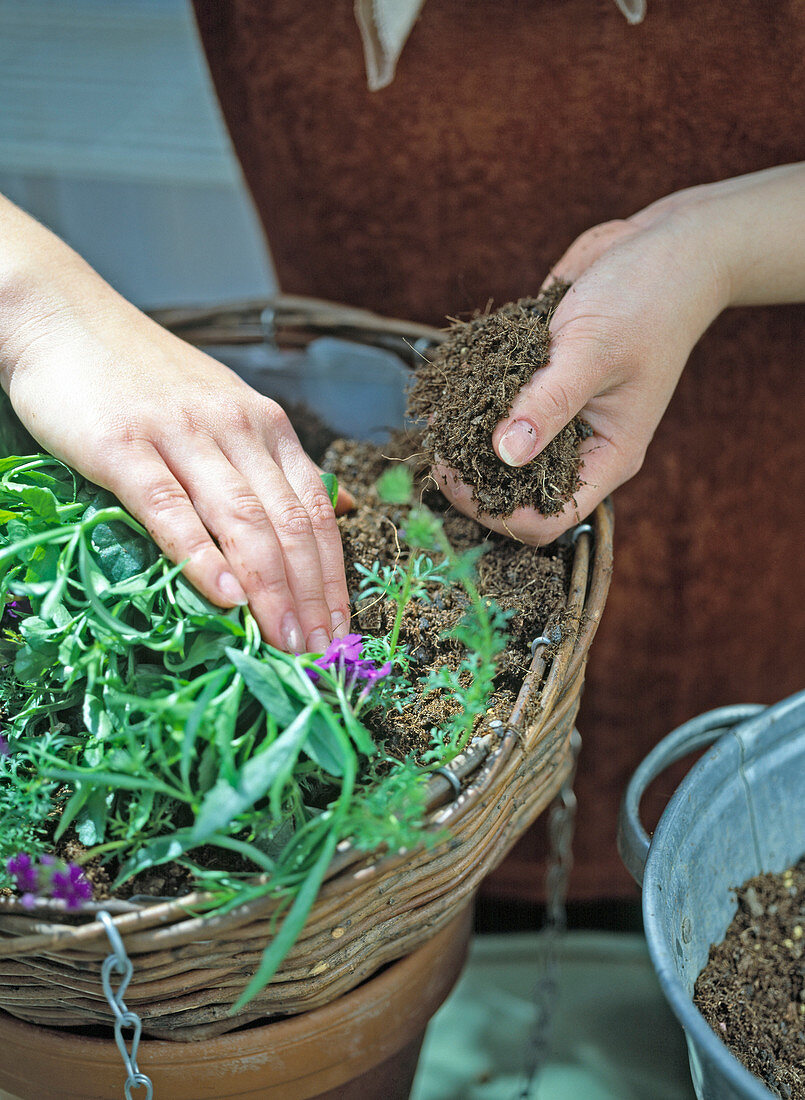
(188, 968)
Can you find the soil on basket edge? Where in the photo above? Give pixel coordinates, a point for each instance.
(752, 991)
(531, 582)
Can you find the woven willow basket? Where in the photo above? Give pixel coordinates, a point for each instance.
(371, 910)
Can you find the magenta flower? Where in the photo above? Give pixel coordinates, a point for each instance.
(4, 746)
(346, 656)
(24, 872)
(49, 878)
(71, 885)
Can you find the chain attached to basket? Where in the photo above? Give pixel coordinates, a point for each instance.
(119, 962)
(561, 824)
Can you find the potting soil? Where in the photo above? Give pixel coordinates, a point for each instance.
(752, 991)
(531, 583)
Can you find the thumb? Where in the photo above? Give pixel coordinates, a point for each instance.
(550, 400)
(345, 502)
(560, 390)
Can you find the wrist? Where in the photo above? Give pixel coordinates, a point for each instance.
(751, 228)
(697, 260)
(24, 306)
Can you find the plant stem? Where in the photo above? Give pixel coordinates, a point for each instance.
(401, 600)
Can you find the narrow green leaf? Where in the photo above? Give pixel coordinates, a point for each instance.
(91, 822)
(224, 802)
(330, 482)
(323, 745)
(197, 715)
(288, 934)
(360, 735)
(162, 850)
(75, 804)
(279, 947)
(191, 600)
(264, 684)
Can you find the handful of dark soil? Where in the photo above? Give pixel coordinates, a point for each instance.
(469, 383)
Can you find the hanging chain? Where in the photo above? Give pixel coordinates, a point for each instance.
(561, 823)
(119, 963)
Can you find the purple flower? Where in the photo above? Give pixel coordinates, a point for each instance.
(71, 885)
(4, 746)
(371, 673)
(346, 655)
(22, 869)
(48, 878)
(347, 649)
(17, 609)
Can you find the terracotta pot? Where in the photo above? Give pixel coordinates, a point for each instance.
(365, 1044)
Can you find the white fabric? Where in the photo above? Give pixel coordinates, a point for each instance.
(386, 24)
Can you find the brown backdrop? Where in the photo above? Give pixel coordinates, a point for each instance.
(510, 128)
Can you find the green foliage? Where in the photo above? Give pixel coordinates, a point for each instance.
(395, 485)
(481, 630)
(393, 804)
(158, 726)
(155, 723)
(423, 530)
(330, 482)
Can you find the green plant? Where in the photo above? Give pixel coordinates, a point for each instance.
(481, 631)
(158, 728)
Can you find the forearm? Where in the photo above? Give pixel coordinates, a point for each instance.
(754, 229)
(41, 278)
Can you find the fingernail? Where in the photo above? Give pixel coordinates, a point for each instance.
(292, 634)
(518, 444)
(340, 624)
(317, 641)
(230, 589)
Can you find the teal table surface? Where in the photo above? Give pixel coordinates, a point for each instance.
(613, 1036)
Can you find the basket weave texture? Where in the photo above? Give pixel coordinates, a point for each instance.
(371, 910)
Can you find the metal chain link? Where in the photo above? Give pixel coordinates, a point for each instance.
(119, 962)
(561, 824)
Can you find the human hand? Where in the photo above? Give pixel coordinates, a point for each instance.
(212, 469)
(644, 290)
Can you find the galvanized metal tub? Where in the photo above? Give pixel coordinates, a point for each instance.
(740, 811)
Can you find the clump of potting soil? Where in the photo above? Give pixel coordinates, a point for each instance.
(752, 991)
(469, 383)
(528, 583)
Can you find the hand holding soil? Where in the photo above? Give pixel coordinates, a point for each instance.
(643, 292)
